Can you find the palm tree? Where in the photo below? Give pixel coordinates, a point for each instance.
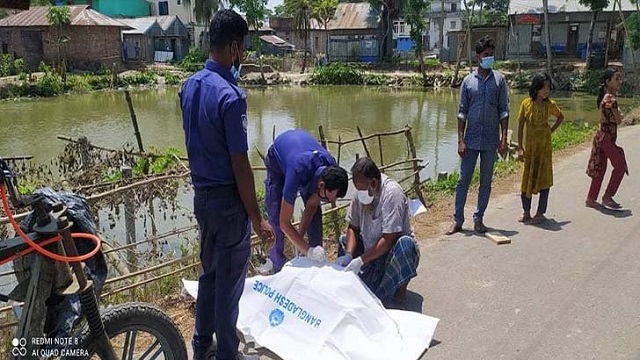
(203, 11)
(302, 11)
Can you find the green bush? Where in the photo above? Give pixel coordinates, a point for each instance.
(345, 74)
(78, 83)
(10, 67)
(50, 84)
(589, 81)
(194, 60)
(142, 78)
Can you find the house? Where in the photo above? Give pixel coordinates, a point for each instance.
(185, 12)
(94, 38)
(569, 24)
(353, 33)
(138, 43)
(273, 45)
(316, 41)
(449, 19)
(175, 37)
(155, 38)
(113, 8)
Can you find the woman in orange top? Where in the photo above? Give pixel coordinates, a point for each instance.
(604, 144)
(536, 153)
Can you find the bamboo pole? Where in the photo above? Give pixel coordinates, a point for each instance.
(334, 217)
(412, 149)
(144, 282)
(339, 149)
(371, 136)
(380, 149)
(364, 144)
(18, 157)
(323, 138)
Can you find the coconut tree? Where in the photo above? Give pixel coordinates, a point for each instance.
(302, 12)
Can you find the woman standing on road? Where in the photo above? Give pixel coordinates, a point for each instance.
(536, 153)
(604, 144)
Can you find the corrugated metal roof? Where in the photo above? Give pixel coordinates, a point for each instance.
(166, 21)
(555, 6)
(139, 25)
(276, 41)
(354, 16)
(81, 15)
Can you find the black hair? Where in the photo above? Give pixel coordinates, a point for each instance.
(226, 27)
(606, 76)
(484, 43)
(367, 168)
(537, 83)
(335, 178)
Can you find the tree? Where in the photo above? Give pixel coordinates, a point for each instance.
(547, 37)
(255, 11)
(595, 6)
(387, 10)
(279, 10)
(302, 12)
(203, 11)
(415, 14)
(59, 17)
(491, 12)
(323, 12)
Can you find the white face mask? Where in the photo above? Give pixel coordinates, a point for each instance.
(363, 197)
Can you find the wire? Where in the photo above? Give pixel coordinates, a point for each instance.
(39, 248)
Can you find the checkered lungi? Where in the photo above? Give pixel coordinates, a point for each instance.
(387, 273)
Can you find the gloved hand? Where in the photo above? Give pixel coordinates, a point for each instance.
(317, 253)
(355, 265)
(344, 260)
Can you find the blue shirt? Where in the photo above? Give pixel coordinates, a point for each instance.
(214, 118)
(483, 103)
(301, 159)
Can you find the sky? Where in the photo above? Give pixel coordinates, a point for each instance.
(274, 3)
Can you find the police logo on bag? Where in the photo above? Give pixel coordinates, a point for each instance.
(276, 317)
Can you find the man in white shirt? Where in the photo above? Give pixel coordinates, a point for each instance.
(379, 243)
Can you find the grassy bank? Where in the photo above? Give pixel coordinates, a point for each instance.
(565, 137)
(47, 83)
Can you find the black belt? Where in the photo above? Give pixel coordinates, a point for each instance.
(218, 190)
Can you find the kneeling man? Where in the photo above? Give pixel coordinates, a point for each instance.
(379, 244)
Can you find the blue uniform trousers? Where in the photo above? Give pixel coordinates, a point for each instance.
(225, 248)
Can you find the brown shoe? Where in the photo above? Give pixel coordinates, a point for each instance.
(592, 204)
(538, 219)
(479, 227)
(454, 228)
(525, 218)
(610, 203)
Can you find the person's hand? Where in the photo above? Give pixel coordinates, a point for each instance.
(520, 154)
(264, 231)
(503, 149)
(355, 265)
(317, 253)
(344, 260)
(462, 149)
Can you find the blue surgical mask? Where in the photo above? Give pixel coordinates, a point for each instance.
(487, 62)
(235, 71)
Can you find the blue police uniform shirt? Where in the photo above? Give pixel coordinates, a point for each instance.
(484, 102)
(301, 159)
(214, 118)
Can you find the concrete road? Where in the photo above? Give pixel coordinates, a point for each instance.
(569, 289)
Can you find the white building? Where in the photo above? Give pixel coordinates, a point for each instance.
(184, 12)
(453, 21)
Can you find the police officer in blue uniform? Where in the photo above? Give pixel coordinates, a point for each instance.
(297, 163)
(215, 125)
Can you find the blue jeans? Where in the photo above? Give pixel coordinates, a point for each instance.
(467, 166)
(274, 184)
(225, 248)
(542, 202)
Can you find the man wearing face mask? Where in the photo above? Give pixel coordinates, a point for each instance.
(379, 244)
(483, 122)
(215, 125)
(297, 163)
